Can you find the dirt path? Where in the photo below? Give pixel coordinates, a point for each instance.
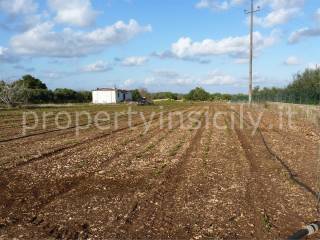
(304, 145)
(282, 205)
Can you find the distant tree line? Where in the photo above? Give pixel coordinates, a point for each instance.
(29, 89)
(167, 95)
(199, 94)
(305, 89)
(143, 92)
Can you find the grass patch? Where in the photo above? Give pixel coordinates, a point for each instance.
(82, 163)
(173, 151)
(160, 169)
(150, 146)
(266, 222)
(206, 151)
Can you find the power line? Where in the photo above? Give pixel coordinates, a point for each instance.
(251, 12)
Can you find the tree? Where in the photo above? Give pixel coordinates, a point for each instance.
(239, 97)
(84, 96)
(216, 97)
(198, 94)
(165, 95)
(305, 89)
(32, 90)
(11, 94)
(226, 97)
(145, 93)
(36, 91)
(136, 96)
(64, 95)
(38, 96)
(31, 82)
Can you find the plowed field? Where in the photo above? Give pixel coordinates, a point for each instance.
(215, 175)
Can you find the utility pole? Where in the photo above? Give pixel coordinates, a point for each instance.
(251, 12)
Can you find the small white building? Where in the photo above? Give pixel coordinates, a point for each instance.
(110, 95)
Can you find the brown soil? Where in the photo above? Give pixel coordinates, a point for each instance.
(206, 183)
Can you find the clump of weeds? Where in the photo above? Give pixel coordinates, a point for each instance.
(175, 149)
(150, 146)
(82, 163)
(160, 170)
(266, 222)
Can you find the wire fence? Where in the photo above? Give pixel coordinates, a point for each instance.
(287, 99)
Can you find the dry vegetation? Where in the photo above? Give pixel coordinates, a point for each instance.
(206, 183)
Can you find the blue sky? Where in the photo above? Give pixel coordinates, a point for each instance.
(167, 45)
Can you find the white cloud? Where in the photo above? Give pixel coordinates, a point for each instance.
(19, 15)
(129, 82)
(292, 60)
(277, 4)
(71, 43)
(150, 81)
(134, 61)
(317, 15)
(161, 77)
(169, 77)
(242, 60)
(282, 11)
(258, 79)
(73, 12)
(7, 56)
(237, 2)
(212, 4)
(99, 66)
(218, 78)
(15, 7)
(3, 51)
(236, 47)
(217, 4)
(301, 33)
(24, 68)
(169, 54)
(306, 32)
(52, 75)
(277, 17)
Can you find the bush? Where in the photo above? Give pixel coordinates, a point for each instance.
(38, 96)
(12, 94)
(198, 94)
(165, 95)
(65, 95)
(84, 96)
(136, 96)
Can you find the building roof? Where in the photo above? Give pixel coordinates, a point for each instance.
(104, 89)
(112, 89)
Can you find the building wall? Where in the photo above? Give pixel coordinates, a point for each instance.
(120, 97)
(124, 96)
(102, 97)
(129, 96)
(111, 96)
